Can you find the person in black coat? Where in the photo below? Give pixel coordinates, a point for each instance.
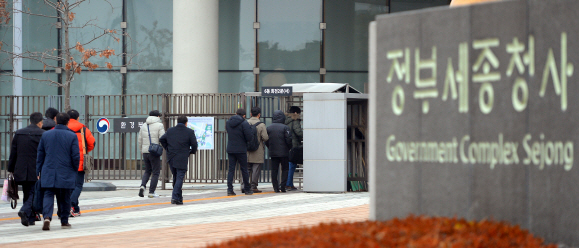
(48, 122)
(279, 144)
(57, 166)
(179, 142)
(238, 134)
(22, 163)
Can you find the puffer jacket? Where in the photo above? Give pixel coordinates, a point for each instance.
(157, 130)
(238, 134)
(280, 136)
(90, 141)
(48, 124)
(293, 122)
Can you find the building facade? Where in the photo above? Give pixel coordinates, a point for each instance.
(224, 46)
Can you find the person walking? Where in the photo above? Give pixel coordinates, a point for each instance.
(279, 144)
(238, 134)
(57, 167)
(292, 120)
(22, 164)
(83, 134)
(179, 142)
(151, 132)
(49, 122)
(255, 159)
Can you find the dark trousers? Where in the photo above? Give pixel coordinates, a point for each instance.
(28, 190)
(76, 192)
(234, 158)
(254, 170)
(275, 163)
(152, 166)
(178, 178)
(62, 200)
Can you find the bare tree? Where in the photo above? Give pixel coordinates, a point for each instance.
(72, 55)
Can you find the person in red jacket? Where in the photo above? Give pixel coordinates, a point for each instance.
(89, 140)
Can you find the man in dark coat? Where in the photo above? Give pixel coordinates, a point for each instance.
(179, 142)
(22, 163)
(48, 122)
(279, 144)
(238, 134)
(56, 167)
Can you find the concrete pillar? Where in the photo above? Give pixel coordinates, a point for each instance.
(195, 46)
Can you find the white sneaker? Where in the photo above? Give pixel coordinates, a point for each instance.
(153, 195)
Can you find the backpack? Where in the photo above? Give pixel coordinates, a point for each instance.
(253, 145)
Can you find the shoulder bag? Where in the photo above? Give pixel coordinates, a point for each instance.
(154, 149)
(88, 163)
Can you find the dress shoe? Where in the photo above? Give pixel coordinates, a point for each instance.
(249, 192)
(173, 201)
(66, 226)
(283, 190)
(46, 226)
(242, 191)
(23, 218)
(230, 193)
(291, 188)
(256, 191)
(179, 202)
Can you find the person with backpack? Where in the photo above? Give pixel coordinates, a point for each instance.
(279, 144)
(292, 120)
(86, 143)
(22, 164)
(238, 135)
(255, 149)
(150, 133)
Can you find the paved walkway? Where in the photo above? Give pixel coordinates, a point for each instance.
(121, 218)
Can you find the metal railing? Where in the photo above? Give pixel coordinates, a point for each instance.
(117, 155)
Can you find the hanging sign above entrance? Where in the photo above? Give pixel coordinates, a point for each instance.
(276, 91)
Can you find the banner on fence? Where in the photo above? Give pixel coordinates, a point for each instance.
(203, 127)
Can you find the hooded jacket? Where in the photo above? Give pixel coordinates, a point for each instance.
(293, 122)
(48, 124)
(157, 130)
(90, 141)
(280, 136)
(238, 134)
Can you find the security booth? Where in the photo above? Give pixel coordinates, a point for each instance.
(334, 117)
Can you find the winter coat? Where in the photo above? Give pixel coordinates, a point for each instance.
(280, 136)
(22, 161)
(90, 141)
(179, 141)
(157, 130)
(238, 134)
(257, 156)
(58, 158)
(48, 124)
(293, 122)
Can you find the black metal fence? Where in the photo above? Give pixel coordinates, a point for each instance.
(117, 155)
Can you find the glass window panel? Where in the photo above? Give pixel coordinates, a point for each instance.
(405, 5)
(236, 82)
(149, 83)
(6, 39)
(289, 34)
(150, 25)
(280, 78)
(39, 88)
(356, 80)
(346, 40)
(236, 34)
(5, 85)
(99, 16)
(39, 35)
(96, 83)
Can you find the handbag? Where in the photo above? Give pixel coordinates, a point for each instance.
(88, 163)
(12, 191)
(154, 149)
(5, 191)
